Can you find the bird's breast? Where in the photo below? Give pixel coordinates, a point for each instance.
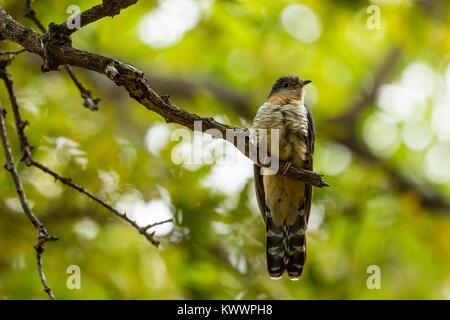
(291, 123)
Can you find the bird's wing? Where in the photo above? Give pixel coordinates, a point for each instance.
(262, 120)
(309, 161)
(260, 193)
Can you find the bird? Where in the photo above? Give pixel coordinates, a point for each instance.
(285, 203)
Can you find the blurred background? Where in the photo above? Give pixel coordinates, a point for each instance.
(380, 98)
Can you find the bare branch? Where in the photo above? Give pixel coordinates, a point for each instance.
(126, 75)
(43, 235)
(89, 102)
(109, 8)
(345, 123)
(186, 89)
(31, 14)
(55, 50)
(5, 53)
(20, 124)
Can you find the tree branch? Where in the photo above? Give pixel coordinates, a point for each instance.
(43, 235)
(31, 14)
(89, 102)
(28, 158)
(109, 8)
(12, 53)
(128, 77)
(55, 49)
(342, 128)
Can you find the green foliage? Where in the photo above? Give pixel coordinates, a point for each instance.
(216, 247)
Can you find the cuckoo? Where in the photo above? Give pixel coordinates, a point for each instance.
(285, 203)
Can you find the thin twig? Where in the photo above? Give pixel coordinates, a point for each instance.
(121, 215)
(12, 52)
(31, 14)
(89, 102)
(43, 235)
(86, 94)
(20, 124)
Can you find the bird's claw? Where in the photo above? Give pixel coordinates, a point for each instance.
(286, 167)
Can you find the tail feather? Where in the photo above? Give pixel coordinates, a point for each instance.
(296, 248)
(286, 248)
(276, 248)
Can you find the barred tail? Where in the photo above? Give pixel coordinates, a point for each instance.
(296, 247)
(276, 248)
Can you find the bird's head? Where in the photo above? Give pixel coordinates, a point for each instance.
(289, 85)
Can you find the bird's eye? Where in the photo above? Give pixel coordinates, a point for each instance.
(285, 85)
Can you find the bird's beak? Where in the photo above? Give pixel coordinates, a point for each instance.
(305, 82)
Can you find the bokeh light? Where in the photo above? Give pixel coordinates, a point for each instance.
(437, 162)
(380, 133)
(166, 25)
(157, 138)
(301, 23)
